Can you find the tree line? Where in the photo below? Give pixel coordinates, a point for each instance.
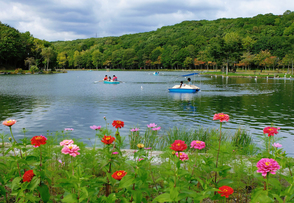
(261, 42)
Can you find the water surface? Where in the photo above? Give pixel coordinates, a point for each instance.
(72, 100)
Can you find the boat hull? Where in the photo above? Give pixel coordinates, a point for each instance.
(111, 82)
(183, 90)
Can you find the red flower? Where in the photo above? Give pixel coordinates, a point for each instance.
(118, 175)
(38, 140)
(28, 176)
(221, 117)
(107, 139)
(270, 131)
(118, 124)
(178, 145)
(225, 191)
(9, 122)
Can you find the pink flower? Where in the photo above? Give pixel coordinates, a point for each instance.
(270, 131)
(183, 156)
(114, 152)
(140, 159)
(94, 127)
(148, 148)
(71, 149)
(155, 129)
(277, 145)
(68, 129)
(135, 129)
(266, 165)
(221, 117)
(196, 144)
(151, 125)
(66, 142)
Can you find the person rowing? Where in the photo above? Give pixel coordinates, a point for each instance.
(105, 78)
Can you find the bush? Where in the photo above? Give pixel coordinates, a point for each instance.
(34, 69)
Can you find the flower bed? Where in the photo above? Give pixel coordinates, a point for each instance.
(203, 167)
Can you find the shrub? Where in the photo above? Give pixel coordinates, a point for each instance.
(34, 69)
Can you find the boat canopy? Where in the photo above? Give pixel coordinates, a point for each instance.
(190, 74)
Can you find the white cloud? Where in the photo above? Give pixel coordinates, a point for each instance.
(76, 19)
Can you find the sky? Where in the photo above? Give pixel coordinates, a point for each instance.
(64, 20)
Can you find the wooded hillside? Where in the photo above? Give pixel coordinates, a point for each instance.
(262, 41)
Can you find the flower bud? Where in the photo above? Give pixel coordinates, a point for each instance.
(173, 153)
(10, 139)
(140, 146)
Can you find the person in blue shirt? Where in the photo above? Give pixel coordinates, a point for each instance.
(189, 81)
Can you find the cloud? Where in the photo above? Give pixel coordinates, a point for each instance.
(77, 19)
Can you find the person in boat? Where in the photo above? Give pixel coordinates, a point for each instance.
(189, 81)
(181, 84)
(109, 78)
(114, 78)
(105, 78)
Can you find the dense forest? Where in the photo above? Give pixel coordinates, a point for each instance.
(261, 42)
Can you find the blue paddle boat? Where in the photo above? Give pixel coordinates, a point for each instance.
(185, 88)
(156, 73)
(111, 82)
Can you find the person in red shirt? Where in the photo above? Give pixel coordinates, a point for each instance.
(114, 78)
(105, 78)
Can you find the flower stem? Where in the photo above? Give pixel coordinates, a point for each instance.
(267, 177)
(219, 143)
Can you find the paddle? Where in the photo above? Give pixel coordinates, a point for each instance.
(98, 81)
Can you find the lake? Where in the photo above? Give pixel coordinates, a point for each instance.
(73, 100)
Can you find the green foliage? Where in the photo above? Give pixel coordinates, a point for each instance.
(34, 69)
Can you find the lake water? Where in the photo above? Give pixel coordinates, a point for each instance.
(72, 100)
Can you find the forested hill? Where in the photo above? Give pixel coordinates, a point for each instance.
(261, 41)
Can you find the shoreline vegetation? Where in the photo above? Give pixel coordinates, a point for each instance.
(238, 73)
(194, 166)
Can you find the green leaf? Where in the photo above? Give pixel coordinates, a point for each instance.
(278, 198)
(16, 183)
(126, 182)
(83, 194)
(44, 192)
(174, 192)
(34, 183)
(165, 197)
(224, 182)
(70, 198)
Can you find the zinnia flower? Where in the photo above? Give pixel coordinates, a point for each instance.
(140, 146)
(196, 144)
(277, 145)
(158, 128)
(183, 156)
(118, 124)
(71, 149)
(178, 145)
(114, 152)
(266, 165)
(118, 175)
(94, 127)
(68, 129)
(66, 142)
(270, 131)
(221, 117)
(135, 129)
(9, 122)
(28, 176)
(225, 191)
(141, 159)
(108, 139)
(38, 140)
(151, 125)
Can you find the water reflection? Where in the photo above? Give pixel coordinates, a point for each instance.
(54, 102)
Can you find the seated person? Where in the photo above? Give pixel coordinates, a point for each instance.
(105, 78)
(189, 81)
(109, 79)
(181, 84)
(114, 78)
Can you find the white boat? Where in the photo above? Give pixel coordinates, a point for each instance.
(184, 89)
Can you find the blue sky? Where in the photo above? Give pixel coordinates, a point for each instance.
(54, 20)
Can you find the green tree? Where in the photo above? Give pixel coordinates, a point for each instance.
(48, 54)
(97, 57)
